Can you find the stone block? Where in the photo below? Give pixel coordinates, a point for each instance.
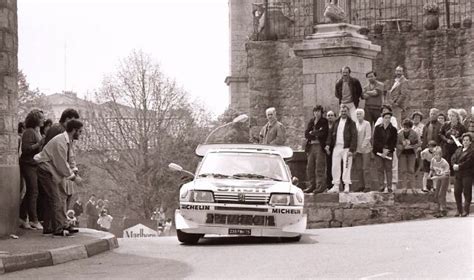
(326, 197)
(309, 79)
(410, 198)
(4, 18)
(367, 198)
(314, 225)
(320, 214)
(357, 214)
(334, 224)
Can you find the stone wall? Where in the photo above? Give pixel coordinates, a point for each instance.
(439, 65)
(9, 171)
(353, 209)
(276, 80)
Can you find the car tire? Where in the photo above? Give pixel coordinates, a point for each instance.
(291, 239)
(188, 238)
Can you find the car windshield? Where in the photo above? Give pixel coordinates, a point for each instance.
(243, 166)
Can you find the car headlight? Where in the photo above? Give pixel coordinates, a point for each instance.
(279, 199)
(299, 197)
(203, 196)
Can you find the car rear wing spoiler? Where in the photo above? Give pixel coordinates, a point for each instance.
(284, 151)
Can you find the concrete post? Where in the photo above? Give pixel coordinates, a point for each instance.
(324, 53)
(9, 170)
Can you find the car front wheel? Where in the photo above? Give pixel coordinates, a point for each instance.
(188, 238)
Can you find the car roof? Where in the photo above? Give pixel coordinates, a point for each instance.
(283, 151)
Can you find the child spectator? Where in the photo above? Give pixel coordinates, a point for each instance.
(104, 221)
(71, 218)
(426, 157)
(439, 173)
(168, 225)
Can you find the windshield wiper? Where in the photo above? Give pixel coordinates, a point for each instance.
(253, 176)
(215, 175)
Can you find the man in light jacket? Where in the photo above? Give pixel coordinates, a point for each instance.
(398, 95)
(53, 167)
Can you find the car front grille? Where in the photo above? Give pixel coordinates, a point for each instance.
(241, 198)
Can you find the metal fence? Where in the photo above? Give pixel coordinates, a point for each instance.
(295, 19)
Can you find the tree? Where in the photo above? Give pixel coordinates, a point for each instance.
(145, 121)
(29, 99)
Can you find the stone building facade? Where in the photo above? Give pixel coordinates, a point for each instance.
(9, 170)
(439, 63)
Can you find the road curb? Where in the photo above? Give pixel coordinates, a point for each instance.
(56, 256)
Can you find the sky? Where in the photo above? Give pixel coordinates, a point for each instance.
(72, 44)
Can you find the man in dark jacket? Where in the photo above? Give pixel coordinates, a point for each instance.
(385, 140)
(349, 91)
(316, 134)
(431, 129)
(344, 139)
(92, 212)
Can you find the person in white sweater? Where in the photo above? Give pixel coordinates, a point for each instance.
(440, 175)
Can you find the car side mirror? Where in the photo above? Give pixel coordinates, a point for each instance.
(295, 181)
(178, 168)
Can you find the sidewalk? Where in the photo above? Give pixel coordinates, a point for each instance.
(33, 249)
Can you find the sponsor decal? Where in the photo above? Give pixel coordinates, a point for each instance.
(196, 207)
(286, 211)
(139, 231)
(249, 220)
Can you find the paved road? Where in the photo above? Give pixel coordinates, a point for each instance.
(435, 248)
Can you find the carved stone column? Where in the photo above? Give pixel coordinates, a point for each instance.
(9, 170)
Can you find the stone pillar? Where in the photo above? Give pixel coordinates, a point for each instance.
(241, 28)
(9, 171)
(324, 53)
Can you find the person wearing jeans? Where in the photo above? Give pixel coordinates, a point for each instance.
(316, 134)
(31, 145)
(439, 173)
(344, 137)
(463, 165)
(385, 139)
(407, 144)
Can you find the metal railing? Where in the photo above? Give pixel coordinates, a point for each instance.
(295, 19)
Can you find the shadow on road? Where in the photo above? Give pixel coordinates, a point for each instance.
(252, 240)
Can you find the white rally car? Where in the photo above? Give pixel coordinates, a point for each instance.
(240, 190)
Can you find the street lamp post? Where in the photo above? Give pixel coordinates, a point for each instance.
(239, 119)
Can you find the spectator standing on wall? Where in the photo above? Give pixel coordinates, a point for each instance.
(273, 132)
(31, 144)
(398, 94)
(385, 139)
(449, 133)
(344, 140)
(431, 129)
(426, 157)
(463, 165)
(348, 92)
(407, 144)
(364, 147)
(316, 135)
(46, 126)
(373, 95)
(331, 117)
(386, 108)
(439, 173)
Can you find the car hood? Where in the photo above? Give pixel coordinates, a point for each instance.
(241, 185)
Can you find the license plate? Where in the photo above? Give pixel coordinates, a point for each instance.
(240, 231)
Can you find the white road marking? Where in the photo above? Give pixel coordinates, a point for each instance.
(376, 275)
